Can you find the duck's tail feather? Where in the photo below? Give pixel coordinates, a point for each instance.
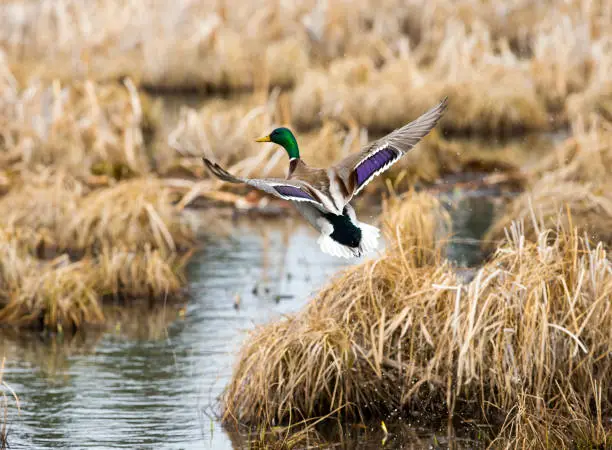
(369, 238)
(369, 243)
(331, 247)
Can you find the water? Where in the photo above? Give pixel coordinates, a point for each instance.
(103, 390)
(152, 381)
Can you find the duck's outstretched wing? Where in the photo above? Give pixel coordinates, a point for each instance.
(357, 170)
(293, 190)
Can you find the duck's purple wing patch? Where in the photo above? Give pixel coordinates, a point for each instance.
(369, 166)
(292, 191)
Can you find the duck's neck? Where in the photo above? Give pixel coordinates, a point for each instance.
(293, 163)
(291, 146)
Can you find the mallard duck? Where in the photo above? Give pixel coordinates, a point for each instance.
(323, 196)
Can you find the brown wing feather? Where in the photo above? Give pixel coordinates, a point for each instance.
(315, 177)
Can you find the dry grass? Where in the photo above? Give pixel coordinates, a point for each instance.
(585, 157)
(54, 295)
(526, 343)
(59, 294)
(504, 63)
(198, 46)
(574, 177)
(585, 206)
(490, 92)
(132, 214)
(142, 274)
(62, 295)
(86, 128)
(354, 68)
(44, 204)
(311, 364)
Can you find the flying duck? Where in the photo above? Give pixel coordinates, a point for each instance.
(323, 196)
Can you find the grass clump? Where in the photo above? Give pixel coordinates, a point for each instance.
(314, 363)
(585, 157)
(61, 295)
(570, 184)
(402, 332)
(585, 206)
(54, 296)
(43, 204)
(70, 216)
(143, 274)
(60, 216)
(131, 214)
(86, 128)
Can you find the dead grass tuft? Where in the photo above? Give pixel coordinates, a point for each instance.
(143, 274)
(85, 128)
(585, 206)
(132, 214)
(57, 295)
(44, 203)
(310, 364)
(529, 331)
(585, 157)
(570, 184)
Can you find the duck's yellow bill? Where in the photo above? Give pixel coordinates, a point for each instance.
(263, 139)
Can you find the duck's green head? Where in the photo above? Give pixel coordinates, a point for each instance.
(285, 138)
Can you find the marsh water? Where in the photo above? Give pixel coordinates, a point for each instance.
(153, 380)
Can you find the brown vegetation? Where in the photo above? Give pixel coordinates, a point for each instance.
(585, 206)
(570, 184)
(376, 63)
(403, 332)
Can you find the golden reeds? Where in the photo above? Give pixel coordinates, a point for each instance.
(145, 273)
(131, 214)
(86, 128)
(60, 295)
(585, 157)
(585, 206)
(570, 184)
(66, 152)
(505, 61)
(56, 296)
(312, 364)
(44, 205)
(531, 329)
(133, 241)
